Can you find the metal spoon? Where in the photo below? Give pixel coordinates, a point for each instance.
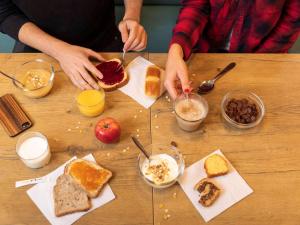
(141, 147)
(10, 77)
(208, 85)
(122, 62)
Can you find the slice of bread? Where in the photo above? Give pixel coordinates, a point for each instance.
(69, 197)
(153, 82)
(216, 165)
(89, 175)
(209, 192)
(114, 76)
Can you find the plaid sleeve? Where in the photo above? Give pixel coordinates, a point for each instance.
(191, 21)
(11, 19)
(286, 32)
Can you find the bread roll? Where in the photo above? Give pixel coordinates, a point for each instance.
(153, 82)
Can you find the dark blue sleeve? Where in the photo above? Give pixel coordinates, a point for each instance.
(11, 18)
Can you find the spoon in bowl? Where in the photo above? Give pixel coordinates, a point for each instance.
(10, 77)
(141, 147)
(208, 85)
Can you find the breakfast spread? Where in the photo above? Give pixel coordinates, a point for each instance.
(33, 149)
(242, 110)
(114, 75)
(209, 192)
(161, 169)
(91, 102)
(82, 180)
(190, 111)
(153, 82)
(69, 197)
(216, 165)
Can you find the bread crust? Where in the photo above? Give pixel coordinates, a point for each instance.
(90, 193)
(117, 85)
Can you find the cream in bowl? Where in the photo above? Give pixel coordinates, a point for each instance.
(33, 149)
(190, 111)
(37, 77)
(163, 168)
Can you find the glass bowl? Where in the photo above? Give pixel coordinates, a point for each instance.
(37, 76)
(161, 155)
(190, 125)
(242, 95)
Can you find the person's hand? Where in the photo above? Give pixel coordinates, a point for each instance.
(74, 60)
(177, 79)
(133, 35)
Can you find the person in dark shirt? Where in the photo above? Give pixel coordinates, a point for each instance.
(72, 31)
(234, 26)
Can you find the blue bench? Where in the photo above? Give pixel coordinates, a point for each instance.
(158, 18)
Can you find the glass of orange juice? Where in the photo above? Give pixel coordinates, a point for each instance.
(91, 103)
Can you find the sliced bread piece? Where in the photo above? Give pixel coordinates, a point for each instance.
(215, 165)
(114, 75)
(69, 197)
(153, 82)
(209, 192)
(89, 175)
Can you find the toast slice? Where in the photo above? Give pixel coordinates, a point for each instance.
(209, 192)
(69, 197)
(153, 82)
(89, 175)
(216, 165)
(114, 75)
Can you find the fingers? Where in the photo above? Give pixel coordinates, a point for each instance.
(90, 67)
(124, 31)
(132, 36)
(90, 81)
(80, 82)
(170, 86)
(142, 44)
(95, 55)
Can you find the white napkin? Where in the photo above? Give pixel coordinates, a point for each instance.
(42, 195)
(234, 188)
(136, 85)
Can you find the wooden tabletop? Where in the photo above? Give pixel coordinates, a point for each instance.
(267, 157)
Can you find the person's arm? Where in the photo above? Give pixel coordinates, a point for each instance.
(286, 33)
(74, 60)
(191, 21)
(133, 33)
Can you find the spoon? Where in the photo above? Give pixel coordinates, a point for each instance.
(208, 85)
(10, 77)
(122, 61)
(141, 147)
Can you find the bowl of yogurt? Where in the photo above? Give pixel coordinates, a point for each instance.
(33, 149)
(163, 168)
(190, 111)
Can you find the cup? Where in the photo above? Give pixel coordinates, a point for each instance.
(91, 103)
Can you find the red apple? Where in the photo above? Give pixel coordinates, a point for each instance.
(108, 130)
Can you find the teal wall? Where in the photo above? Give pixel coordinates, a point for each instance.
(158, 21)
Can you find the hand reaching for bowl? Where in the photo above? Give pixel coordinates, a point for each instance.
(133, 35)
(75, 61)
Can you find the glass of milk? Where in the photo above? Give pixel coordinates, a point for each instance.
(33, 149)
(190, 111)
(165, 166)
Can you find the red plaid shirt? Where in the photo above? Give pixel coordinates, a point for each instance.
(261, 26)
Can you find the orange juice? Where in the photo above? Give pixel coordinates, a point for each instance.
(91, 102)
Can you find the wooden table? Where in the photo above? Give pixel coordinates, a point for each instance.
(267, 157)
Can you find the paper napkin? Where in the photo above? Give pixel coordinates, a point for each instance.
(42, 195)
(136, 85)
(234, 188)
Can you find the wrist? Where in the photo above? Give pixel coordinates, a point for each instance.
(176, 50)
(57, 49)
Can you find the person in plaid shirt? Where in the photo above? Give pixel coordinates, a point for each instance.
(234, 26)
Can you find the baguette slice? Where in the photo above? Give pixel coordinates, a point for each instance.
(114, 77)
(209, 192)
(153, 82)
(216, 165)
(89, 175)
(69, 197)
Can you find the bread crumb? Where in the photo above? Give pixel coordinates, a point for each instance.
(167, 216)
(169, 100)
(55, 139)
(193, 75)
(156, 127)
(155, 116)
(80, 131)
(173, 111)
(161, 205)
(135, 116)
(79, 122)
(124, 150)
(108, 154)
(174, 195)
(137, 135)
(166, 210)
(69, 130)
(137, 130)
(77, 127)
(127, 148)
(141, 111)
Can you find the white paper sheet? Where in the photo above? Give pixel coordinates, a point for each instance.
(136, 85)
(234, 188)
(42, 195)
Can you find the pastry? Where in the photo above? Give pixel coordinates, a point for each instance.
(215, 165)
(209, 192)
(153, 82)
